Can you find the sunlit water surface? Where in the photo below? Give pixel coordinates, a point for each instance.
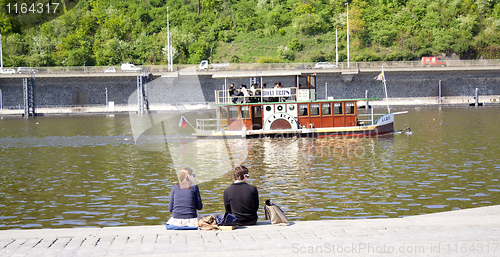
(74, 171)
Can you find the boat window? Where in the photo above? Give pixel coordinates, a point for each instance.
(303, 110)
(325, 109)
(312, 82)
(314, 109)
(303, 82)
(337, 108)
(223, 113)
(257, 111)
(349, 108)
(245, 112)
(233, 112)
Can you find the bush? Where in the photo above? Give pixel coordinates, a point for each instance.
(317, 56)
(235, 59)
(295, 45)
(285, 54)
(462, 47)
(401, 56)
(366, 56)
(271, 30)
(309, 24)
(259, 33)
(225, 36)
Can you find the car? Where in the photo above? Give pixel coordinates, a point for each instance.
(21, 70)
(128, 67)
(109, 70)
(325, 65)
(8, 71)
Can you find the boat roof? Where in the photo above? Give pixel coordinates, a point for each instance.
(247, 74)
(304, 102)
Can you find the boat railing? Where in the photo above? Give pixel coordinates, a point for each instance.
(223, 97)
(211, 124)
(371, 117)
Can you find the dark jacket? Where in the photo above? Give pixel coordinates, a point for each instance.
(242, 200)
(184, 202)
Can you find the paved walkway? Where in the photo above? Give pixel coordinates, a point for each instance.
(470, 232)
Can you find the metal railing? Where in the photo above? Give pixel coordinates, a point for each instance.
(266, 66)
(223, 97)
(211, 124)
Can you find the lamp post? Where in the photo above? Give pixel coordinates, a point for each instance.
(336, 48)
(1, 56)
(347, 4)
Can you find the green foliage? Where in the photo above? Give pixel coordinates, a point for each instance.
(285, 53)
(301, 9)
(235, 59)
(268, 59)
(366, 56)
(309, 24)
(198, 51)
(109, 32)
(271, 30)
(318, 56)
(295, 45)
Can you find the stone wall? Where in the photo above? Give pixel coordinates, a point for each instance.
(91, 90)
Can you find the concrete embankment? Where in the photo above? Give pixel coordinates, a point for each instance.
(469, 232)
(404, 87)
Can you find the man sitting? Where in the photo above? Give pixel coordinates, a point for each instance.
(242, 199)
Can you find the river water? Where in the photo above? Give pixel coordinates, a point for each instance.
(89, 170)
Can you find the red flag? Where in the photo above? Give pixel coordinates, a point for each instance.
(182, 122)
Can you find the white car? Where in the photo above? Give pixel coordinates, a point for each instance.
(21, 70)
(109, 70)
(325, 65)
(8, 71)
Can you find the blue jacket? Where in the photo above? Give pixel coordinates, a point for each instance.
(184, 202)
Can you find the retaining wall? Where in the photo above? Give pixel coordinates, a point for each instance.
(400, 84)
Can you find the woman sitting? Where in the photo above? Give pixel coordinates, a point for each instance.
(185, 199)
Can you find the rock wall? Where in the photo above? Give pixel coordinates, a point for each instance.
(400, 84)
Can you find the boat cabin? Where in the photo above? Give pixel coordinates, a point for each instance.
(282, 108)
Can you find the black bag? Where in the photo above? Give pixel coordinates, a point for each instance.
(275, 214)
(226, 220)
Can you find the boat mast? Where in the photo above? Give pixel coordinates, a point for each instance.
(385, 89)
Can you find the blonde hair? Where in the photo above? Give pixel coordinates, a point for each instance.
(183, 178)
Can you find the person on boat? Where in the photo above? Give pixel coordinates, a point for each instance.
(233, 93)
(275, 99)
(264, 99)
(284, 98)
(244, 93)
(253, 93)
(185, 199)
(242, 199)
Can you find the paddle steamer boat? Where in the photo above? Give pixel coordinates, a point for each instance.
(289, 112)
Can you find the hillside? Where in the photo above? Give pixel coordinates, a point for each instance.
(109, 32)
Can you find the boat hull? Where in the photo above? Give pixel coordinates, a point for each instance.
(384, 125)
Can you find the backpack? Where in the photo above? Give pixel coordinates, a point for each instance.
(275, 214)
(226, 220)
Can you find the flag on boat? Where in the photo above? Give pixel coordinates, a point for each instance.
(182, 122)
(380, 76)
